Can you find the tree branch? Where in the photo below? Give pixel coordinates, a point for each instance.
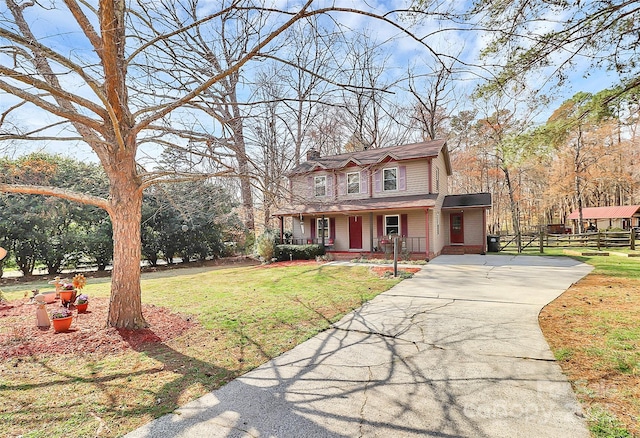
(57, 192)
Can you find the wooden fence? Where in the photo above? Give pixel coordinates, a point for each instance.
(599, 240)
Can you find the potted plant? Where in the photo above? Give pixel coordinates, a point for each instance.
(67, 294)
(82, 301)
(61, 319)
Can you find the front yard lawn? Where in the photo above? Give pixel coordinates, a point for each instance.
(96, 381)
(594, 332)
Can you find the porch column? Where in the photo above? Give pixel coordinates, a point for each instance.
(371, 232)
(426, 224)
(281, 229)
(484, 231)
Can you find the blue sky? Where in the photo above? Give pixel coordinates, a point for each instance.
(401, 50)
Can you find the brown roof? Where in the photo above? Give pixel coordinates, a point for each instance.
(361, 205)
(368, 157)
(467, 200)
(619, 211)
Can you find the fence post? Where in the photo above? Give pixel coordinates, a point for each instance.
(633, 239)
(598, 241)
(541, 241)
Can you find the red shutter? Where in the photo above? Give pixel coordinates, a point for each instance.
(379, 226)
(404, 225)
(332, 229)
(312, 227)
(402, 178)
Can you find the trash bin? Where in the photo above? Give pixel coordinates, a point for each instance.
(493, 243)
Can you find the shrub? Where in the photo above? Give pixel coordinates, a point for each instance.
(298, 252)
(266, 246)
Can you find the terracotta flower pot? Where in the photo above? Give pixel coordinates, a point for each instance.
(82, 308)
(67, 295)
(62, 324)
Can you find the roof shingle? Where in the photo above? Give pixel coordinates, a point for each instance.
(618, 211)
(367, 157)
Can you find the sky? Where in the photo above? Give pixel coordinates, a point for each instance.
(58, 27)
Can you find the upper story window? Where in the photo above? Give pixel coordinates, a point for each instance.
(353, 182)
(320, 185)
(390, 179)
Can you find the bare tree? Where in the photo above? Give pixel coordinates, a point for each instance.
(434, 99)
(271, 142)
(107, 80)
(374, 119)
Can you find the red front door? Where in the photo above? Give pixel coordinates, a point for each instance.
(355, 232)
(457, 228)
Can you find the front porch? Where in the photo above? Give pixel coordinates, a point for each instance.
(363, 233)
(413, 248)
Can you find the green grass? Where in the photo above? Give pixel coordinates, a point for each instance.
(248, 315)
(604, 351)
(605, 425)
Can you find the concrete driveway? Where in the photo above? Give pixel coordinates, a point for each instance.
(454, 351)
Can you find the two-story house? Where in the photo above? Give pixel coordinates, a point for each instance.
(358, 202)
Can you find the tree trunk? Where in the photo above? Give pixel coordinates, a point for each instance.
(125, 307)
(240, 150)
(515, 216)
(579, 204)
(577, 170)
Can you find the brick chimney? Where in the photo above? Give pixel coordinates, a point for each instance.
(312, 154)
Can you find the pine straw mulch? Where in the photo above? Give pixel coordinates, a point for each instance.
(592, 325)
(20, 337)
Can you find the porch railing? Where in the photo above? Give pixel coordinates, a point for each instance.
(381, 245)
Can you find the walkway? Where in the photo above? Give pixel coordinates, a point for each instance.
(454, 351)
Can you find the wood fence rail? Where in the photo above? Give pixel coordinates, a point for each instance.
(599, 239)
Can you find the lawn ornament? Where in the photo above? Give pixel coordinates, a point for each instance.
(42, 317)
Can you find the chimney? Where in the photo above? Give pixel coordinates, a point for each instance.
(312, 154)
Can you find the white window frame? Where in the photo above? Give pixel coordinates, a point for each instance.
(384, 179)
(327, 232)
(349, 192)
(320, 182)
(387, 226)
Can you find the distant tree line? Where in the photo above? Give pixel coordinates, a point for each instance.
(190, 221)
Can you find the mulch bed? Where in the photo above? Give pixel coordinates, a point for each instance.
(20, 337)
(290, 263)
(382, 270)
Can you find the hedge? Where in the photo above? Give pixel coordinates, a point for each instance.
(298, 252)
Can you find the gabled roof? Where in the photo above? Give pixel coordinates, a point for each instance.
(425, 149)
(615, 212)
(467, 200)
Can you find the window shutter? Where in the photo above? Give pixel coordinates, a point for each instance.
(379, 226)
(404, 225)
(364, 181)
(402, 178)
(342, 184)
(312, 227)
(377, 177)
(329, 186)
(332, 228)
